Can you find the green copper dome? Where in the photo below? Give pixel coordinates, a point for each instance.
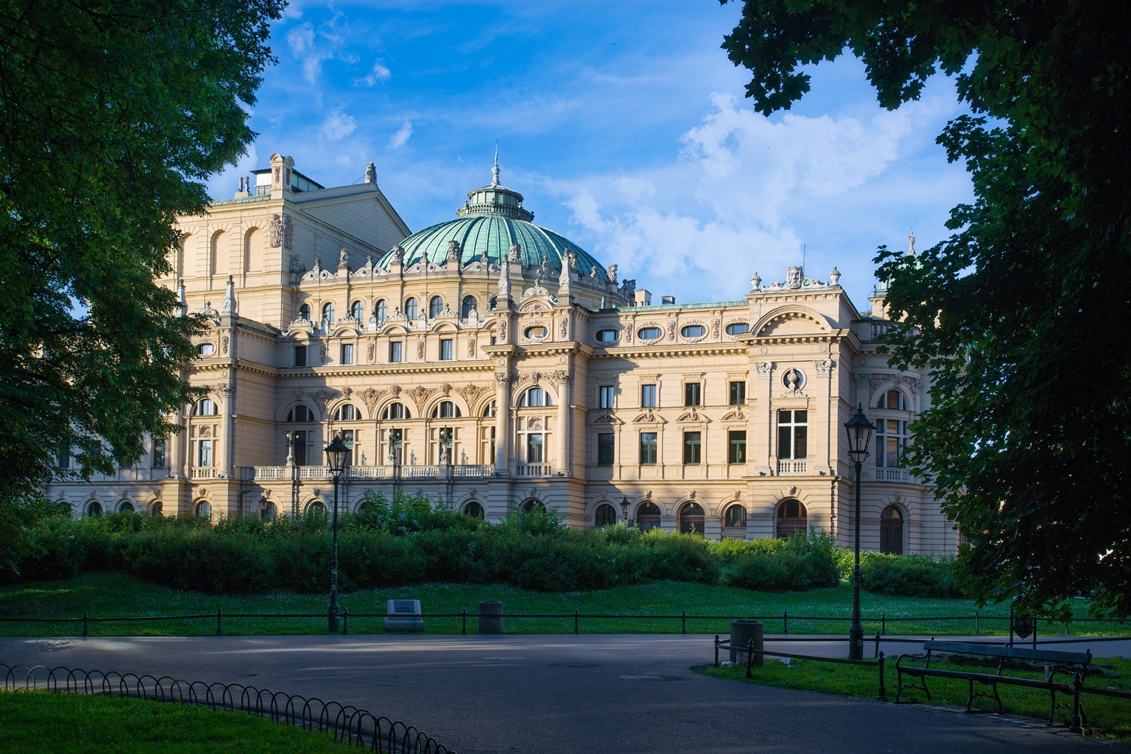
(491, 221)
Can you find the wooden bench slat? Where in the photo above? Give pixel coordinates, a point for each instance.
(1013, 653)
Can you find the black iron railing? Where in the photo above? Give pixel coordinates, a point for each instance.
(346, 723)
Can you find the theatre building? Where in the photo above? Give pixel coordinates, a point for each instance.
(495, 365)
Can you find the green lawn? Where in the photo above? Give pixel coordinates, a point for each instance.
(1108, 717)
(67, 723)
(116, 594)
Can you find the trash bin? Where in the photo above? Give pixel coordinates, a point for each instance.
(742, 632)
(490, 617)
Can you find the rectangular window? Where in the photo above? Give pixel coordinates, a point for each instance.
(648, 396)
(204, 453)
(63, 457)
(736, 446)
(299, 448)
(692, 447)
(692, 394)
(891, 441)
(793, 434)
(396, 352)
(159, 454)
(300, 356)
(347, 353)
(648, 448)
(737, 393)
(534, 448)
(347, 438)
(607, 396)
(606, 449)
(447, 350)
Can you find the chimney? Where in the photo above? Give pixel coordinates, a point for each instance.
(643, 297)
(667, 300)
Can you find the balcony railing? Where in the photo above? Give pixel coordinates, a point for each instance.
(892, 475)
(792, 467)
(534, 470)
(362, 473)
(198, 472)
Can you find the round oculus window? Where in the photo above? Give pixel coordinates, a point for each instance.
(693, 331)
(607, 336)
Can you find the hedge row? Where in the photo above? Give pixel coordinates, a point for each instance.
(408, 541)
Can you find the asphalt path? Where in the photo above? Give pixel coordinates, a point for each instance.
(554, 693)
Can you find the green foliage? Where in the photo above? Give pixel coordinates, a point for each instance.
(115, 111)
(1026, 459)
(798, 564)
(909, 576)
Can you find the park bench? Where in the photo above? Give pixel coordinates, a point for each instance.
(1073, 664)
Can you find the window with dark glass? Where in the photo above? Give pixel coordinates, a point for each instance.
(534, 448)
(469, 304)
(693, 331)
(737, 328)
(205, 407)
(410, 309)
(736, 446)
(648, 448)
(737, 393)
(347, 412)
(357, 311)
(447, 350)
(347, 353)
(692, 447)
(300, 356)
(328, 313)
(396, 352)
(536, 396)
(446, 410)
(606, 396)
(435, 306)
(63, 455)
(606, 449)
(396, 411)
(299, 447)
(692, 394)
(381, 311)
(793, 434)
(648, 396)
(735, 516)
(649, 333)
(299, 413)
(691, 519)
(605, 515)
(891, 441)
(159, 453)
(490, 410)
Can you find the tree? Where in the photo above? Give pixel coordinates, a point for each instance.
(113, 113)
(1018, 313)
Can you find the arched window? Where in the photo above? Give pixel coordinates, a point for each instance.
(606, 515)
(300, 413)
(491, 410)
(691, 519)
(648, 516)
(381, 311)
(893, 400)
(125, 507)
(469, 304)
(94, 509)
(410, 310)
(204, 407)
(357, 311)
(267, 510)
(396, 411)
(734, 517)
(304, 312)
(536, 396)
(435, 306)
(316, 509)
(792, 517)
(347, 412)
(446, 410)
(155, 508)
(493, 303)
(204, 509)
(530, 505)
(328, 313)
(891, 531)
(474, 509)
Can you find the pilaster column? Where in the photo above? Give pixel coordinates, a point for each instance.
(228, 438)
(502, 422)
(565, 395)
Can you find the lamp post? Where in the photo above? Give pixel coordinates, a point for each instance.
(624, 509)
(336, 454)
(859, 436)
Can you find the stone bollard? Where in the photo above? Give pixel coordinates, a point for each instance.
(741, 633)
(490, 617)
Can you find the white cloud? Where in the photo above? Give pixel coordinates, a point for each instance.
(735, 200)
(378, 74)
(400, 138)
(302, 43)
(338, 125)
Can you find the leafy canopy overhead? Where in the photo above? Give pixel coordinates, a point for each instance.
(113, 113)
(1018, 312)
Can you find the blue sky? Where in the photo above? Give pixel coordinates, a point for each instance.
(624, 126)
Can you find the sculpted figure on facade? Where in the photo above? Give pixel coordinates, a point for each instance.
(288, 233)
(453, 251)
(371, 173)
(794, 276)
(343, 259)
(275, 230)
(515, 254)
(398, 253)
(612, 273)
(505, 279)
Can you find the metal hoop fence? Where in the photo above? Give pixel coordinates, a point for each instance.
(346, 723)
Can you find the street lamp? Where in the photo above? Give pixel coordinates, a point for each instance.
(336, 454)
(859, 436)
(624, 509)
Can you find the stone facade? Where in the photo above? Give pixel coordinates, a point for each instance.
(462, 367)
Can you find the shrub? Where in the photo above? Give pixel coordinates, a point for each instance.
(909, 576)
(203, 559)
(798, 564)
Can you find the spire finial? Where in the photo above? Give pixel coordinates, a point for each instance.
(495, 170)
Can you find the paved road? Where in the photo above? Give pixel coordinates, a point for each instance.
(596, 693)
